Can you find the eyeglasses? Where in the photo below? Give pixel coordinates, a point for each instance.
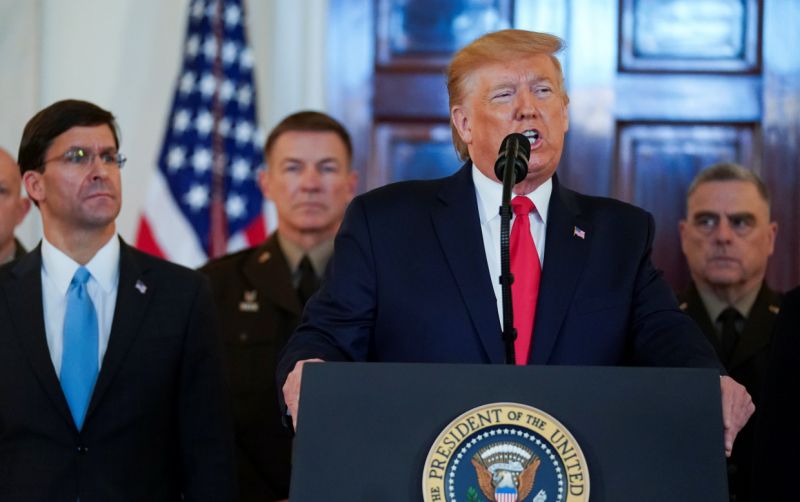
(83, 157)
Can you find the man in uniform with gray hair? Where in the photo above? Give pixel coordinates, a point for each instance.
(727, 238)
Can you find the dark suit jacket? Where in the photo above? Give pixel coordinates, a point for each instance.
(748, 366)
(409, 282)
(259, 308)
(777, 441)
(157, 424)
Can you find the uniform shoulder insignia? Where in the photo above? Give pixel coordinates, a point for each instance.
(225, 260)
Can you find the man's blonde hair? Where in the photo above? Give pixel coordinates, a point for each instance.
(495, 48)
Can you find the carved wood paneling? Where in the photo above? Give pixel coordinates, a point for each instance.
(687, 35)
(420, 34)
(657, 162)
(412, 151)
(710, 65)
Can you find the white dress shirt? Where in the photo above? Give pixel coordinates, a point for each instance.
(490, 195)
(57, 272)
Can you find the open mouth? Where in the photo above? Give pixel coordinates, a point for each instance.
(533, 136)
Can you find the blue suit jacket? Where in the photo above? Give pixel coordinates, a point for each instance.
(409, 282)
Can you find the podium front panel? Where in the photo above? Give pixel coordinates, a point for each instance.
(648, 434)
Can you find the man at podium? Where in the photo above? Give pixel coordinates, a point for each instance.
(414, 276)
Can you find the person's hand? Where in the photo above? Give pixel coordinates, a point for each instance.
(737, 407)
(291, 388)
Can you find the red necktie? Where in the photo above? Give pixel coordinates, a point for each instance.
(527, 272)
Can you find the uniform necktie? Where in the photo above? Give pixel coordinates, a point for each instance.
(79, 359)
(308, 280)
(730, 334)
(527, 272)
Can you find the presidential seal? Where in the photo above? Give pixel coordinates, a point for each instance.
(505, 452)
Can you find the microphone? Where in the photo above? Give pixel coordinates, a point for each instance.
(514, 153)
(511, 168)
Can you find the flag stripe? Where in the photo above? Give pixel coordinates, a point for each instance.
(205, 199)
(171, 231)
(146, 240)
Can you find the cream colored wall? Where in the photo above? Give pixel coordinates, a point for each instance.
(124, 55)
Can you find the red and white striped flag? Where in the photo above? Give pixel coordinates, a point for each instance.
(204, 200)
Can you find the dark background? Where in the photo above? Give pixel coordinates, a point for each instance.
(659, 89)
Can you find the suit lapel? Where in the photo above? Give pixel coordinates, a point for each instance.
(133, 296)
(757, 330)
(694, 306)
(457, 225)
(19, 249)
(564, 260)
(267, 271)
(24, 296)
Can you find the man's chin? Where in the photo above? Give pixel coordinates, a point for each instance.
(312, 225)
(101, 217)
(724, 278)
(102, 206)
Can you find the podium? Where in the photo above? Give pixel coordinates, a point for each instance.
(366, 430)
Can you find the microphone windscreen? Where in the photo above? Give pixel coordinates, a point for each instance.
(515, 148)
(519, 139)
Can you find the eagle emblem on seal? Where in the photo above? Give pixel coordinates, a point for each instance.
(506, 471)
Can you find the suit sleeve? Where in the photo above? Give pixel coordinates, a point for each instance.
(338, 321)
(206, 426)
(663, 335)
(776, 444)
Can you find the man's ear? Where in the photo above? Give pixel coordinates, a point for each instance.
(352, 182)
(263, 182)
(773, 232)
(462, 123)
(34, 186)
(682, 229)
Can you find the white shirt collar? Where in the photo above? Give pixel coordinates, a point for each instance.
(104, 265)
(490, 196)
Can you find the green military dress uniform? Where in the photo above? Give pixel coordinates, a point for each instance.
(747, 365)
(258, 307)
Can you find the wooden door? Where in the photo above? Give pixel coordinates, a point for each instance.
(659, 89)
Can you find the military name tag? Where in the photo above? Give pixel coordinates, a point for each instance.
(249, 303)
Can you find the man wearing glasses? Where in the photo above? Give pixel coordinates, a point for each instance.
(111, 383)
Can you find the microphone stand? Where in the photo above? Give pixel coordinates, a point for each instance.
(506, 278)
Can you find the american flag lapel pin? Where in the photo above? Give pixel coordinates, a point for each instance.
(141, 287)
(577, 232)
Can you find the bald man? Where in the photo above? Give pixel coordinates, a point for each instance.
(13, 207)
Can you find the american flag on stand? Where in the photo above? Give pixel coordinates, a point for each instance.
(204, 200)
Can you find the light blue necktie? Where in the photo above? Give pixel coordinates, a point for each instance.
(79, 359)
